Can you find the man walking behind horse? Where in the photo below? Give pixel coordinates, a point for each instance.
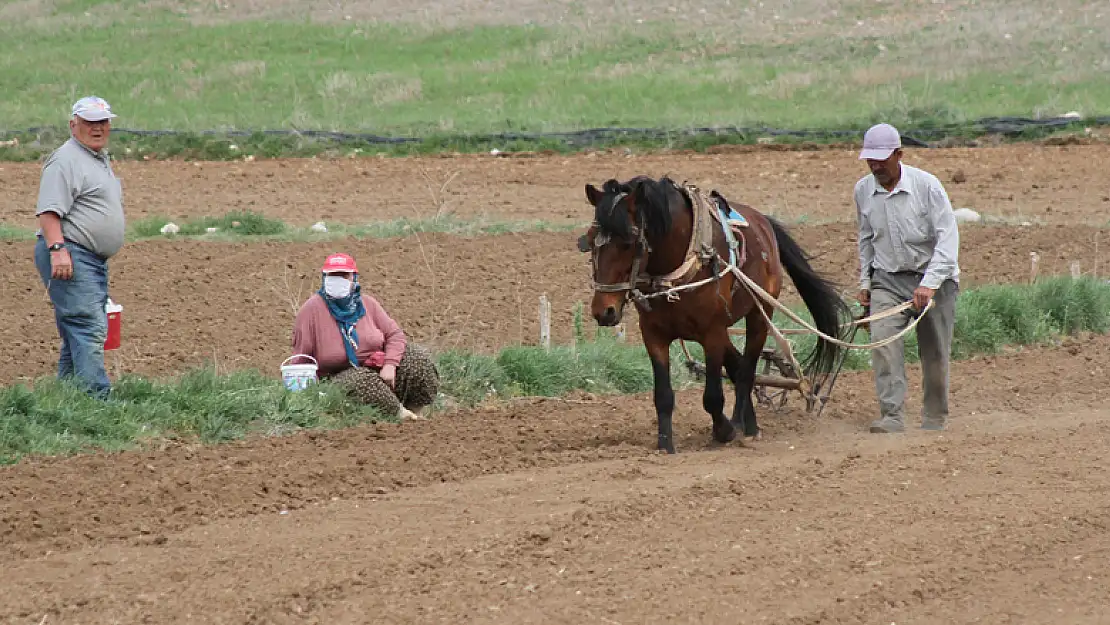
(80, 212)
(908, 249)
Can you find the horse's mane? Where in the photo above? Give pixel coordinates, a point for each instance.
(652, 206)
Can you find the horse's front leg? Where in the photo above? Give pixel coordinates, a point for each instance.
(659, 350)
(713, 399)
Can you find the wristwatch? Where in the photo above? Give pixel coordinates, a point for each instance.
(57, 246)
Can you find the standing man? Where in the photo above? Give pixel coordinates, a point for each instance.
(908, 248)
(80, 212)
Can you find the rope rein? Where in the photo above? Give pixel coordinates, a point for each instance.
(890, 312)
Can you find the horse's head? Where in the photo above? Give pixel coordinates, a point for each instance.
(627, 217)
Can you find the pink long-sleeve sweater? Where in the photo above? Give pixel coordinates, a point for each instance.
(316, 333)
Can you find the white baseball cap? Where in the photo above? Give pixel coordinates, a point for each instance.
(879, 142)
(93, 109)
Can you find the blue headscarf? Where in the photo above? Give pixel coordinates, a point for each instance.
(346, 312)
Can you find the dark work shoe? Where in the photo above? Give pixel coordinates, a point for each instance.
(934, 424)
(887, 425)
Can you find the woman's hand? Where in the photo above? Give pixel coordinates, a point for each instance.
(388, 373)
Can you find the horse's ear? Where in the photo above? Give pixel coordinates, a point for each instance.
(640, 190)
(592, 194)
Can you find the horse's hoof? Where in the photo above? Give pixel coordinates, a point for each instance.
(753, 438)
(665, 450)
(724, 436)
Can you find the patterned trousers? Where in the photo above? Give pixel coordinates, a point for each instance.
(415, 387)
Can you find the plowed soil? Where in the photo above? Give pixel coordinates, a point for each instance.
(559, 511)
(1053, 184)
(556, 512)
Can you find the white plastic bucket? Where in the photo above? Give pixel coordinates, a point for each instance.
(298, 377)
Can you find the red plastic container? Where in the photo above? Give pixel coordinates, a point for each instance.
(115, 324)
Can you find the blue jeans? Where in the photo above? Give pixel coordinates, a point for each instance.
(80, 316)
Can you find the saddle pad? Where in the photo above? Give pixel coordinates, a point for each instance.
(734, 218)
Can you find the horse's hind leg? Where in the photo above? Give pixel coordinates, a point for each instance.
(713, 400)
(741, 370)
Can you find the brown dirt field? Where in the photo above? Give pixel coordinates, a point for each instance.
(187, 302)
(1049, 184)
(559, 512)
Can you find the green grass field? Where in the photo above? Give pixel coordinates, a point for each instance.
(807, 64)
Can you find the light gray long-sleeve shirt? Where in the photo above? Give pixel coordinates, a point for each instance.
(80, 187)
(911, 228)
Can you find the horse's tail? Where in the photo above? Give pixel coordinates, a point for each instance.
(820, 296)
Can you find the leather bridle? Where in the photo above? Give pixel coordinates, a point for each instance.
(639, 259)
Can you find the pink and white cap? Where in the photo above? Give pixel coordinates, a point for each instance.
(93, 109)
(879, 142)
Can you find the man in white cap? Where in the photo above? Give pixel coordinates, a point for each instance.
(908, 249)
(80, 213)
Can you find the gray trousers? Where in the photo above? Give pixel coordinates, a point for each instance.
(934, 345)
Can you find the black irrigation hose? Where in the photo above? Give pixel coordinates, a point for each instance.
(912, 136)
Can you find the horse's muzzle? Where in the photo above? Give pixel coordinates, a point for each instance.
(609, 317)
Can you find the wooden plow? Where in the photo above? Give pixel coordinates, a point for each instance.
(779, 374)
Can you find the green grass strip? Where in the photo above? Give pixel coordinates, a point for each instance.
(54, 418)
(248, 225)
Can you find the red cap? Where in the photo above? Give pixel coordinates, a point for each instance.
(339, 263)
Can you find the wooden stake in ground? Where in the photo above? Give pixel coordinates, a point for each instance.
(1094, 272)
(545, 322)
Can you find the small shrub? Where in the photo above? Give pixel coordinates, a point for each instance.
(536, 371)
(1074, 305)
(1021, 321)
(977, 329)
(471, 378)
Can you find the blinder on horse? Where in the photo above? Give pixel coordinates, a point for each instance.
(600, 239)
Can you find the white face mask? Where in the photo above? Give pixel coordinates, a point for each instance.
(337, 287)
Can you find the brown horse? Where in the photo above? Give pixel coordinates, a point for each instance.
(649, 237)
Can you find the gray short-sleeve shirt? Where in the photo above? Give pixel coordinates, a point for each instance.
(80, 187)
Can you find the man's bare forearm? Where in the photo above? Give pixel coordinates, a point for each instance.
(51, 227)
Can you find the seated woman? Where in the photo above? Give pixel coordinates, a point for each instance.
(357, 345)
